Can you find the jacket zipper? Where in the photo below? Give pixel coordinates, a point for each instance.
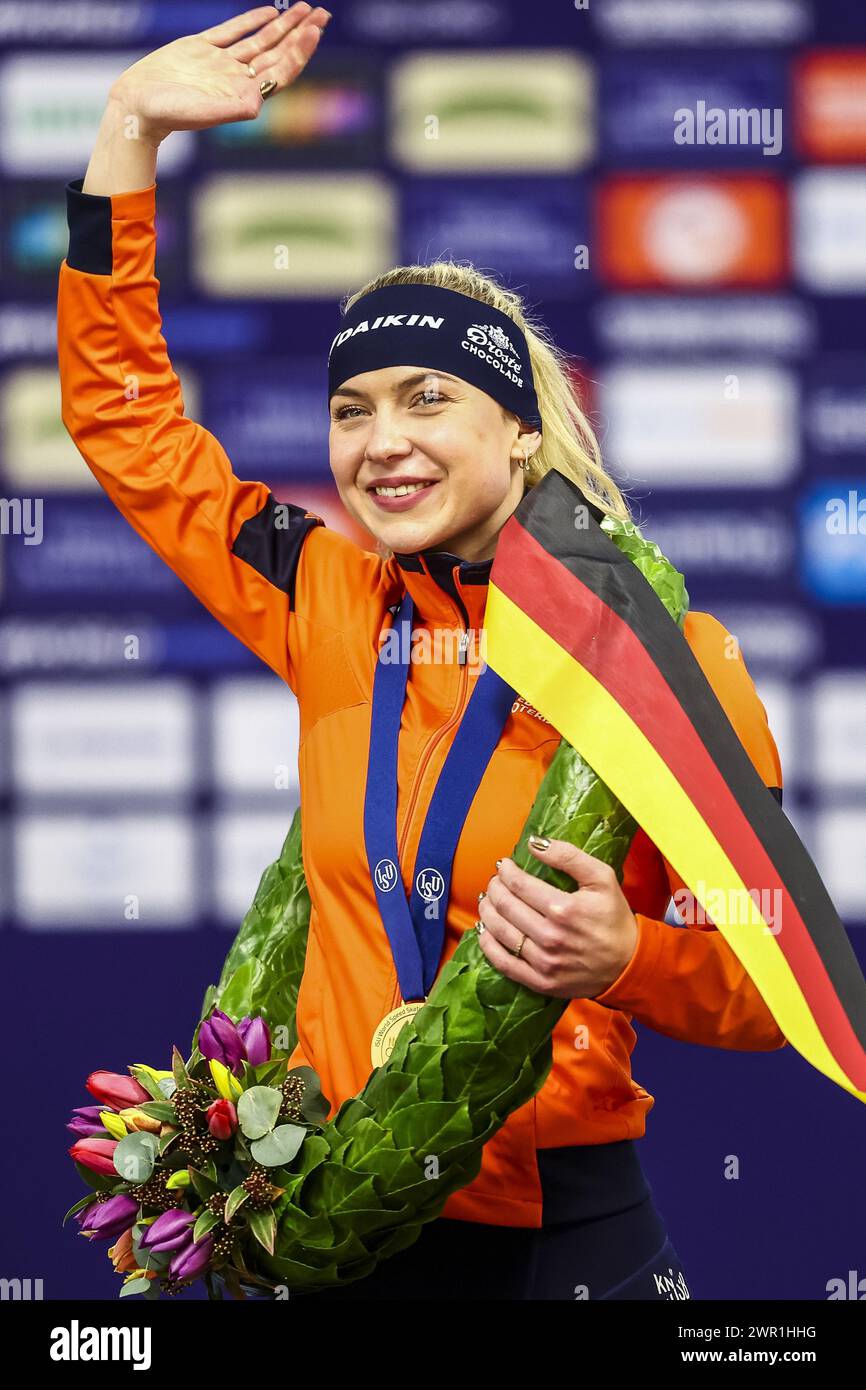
(396, 996)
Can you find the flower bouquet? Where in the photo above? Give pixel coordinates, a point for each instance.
(185, 1165)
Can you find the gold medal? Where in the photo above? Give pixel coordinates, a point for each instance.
(388, 1030)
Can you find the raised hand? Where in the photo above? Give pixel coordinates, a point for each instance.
(204, 80)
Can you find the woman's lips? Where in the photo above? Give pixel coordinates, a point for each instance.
(403, 503)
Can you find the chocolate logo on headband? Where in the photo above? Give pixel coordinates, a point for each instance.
(501, 352)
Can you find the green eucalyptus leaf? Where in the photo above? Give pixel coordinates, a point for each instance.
(150, 1259)
(135, 1156)
(135, 1286)
(280, 1146)
(258, 1109)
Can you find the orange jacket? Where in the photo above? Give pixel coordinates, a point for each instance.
(311, 603)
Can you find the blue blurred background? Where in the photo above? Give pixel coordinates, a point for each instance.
(714, 296)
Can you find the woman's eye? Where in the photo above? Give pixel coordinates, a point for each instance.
(429, 397)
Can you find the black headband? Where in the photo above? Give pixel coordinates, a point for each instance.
(442, 330)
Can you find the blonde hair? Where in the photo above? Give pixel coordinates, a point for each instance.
(568, 440)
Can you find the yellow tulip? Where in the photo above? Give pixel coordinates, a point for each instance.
(114, 1124)
(227, 1085)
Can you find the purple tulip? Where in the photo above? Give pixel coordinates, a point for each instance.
(218, 1038)
(256, 1038)
(170, 1231)
(192, 1260)
(107, 1220)
(86, 1122)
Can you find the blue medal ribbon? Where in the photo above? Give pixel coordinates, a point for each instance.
(416, 929)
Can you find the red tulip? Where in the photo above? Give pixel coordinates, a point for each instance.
(222, 1119)
(113, 1089)
(96, 1154)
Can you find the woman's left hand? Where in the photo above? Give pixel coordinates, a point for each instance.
(576, 943)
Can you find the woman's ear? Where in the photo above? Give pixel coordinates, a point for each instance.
(525, 445)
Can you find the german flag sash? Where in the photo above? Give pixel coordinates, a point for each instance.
(574, 626)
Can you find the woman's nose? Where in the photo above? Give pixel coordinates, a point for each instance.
(386, 439)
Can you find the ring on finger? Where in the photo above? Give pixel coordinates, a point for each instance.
(267, 87)
(251, 70)
(515, 950)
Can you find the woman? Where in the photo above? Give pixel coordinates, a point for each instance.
(445, 405)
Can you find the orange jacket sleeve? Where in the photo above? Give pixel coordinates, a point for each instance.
(687, 982)
(229, 541)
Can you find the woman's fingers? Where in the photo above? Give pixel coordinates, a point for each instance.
(270, 35)
(509, 919)
(553, 903)
(283, 63)
(233, 29)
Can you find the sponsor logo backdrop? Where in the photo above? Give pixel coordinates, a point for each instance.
(708, 270)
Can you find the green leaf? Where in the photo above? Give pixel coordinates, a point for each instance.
(314, 1105)
(149, 1259)
(208, 1002)
(166, 1141)
(267, 1073)
(178, 1069)
(150, 1083)
(205, 1223)
(159, 1110)
(235, 1200)
(264, 1227)
(79, 1206)
(280, 1146)
(258, 1109)
(235, 998)
(135, 1286)
(204, 1185)
(135, 1156)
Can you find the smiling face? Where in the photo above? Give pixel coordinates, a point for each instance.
(398, 427)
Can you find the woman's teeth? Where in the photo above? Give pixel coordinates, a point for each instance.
(400, 491)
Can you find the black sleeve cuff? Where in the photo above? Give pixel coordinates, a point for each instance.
(89, 219)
